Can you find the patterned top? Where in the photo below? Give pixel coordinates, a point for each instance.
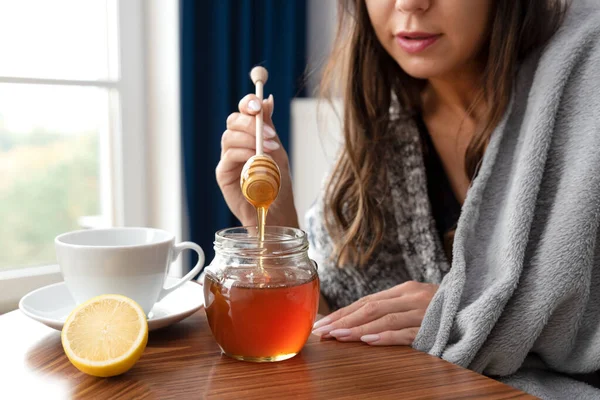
(411, 248)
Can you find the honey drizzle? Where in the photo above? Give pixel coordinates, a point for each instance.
(261, 216)
(261, 213)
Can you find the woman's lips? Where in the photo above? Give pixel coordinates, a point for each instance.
(415, 42)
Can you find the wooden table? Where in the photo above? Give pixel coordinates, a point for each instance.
(183, 361)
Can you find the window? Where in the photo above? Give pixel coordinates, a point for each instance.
(89, 127)
(71, 117)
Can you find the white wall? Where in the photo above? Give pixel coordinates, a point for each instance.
(314, 125)
(315, 137)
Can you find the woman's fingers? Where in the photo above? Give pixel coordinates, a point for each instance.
(251, 105)
(389, 322)
(269, 107)
(395, 292)
(324, 325)
(247, 123)
(371, 311)
(344, 312)
(233, 159)
(238, 139)
(402, 337)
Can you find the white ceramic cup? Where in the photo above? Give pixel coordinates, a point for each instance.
(133, 262)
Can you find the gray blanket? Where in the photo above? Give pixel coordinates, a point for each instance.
(522, 300)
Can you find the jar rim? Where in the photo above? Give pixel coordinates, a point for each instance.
(280, 241)
(293, 234)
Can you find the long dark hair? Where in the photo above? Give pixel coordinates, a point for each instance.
(368, 77)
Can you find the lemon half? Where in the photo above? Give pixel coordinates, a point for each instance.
(106, 335)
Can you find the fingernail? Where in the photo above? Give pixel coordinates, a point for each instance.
(340, 333)
(268, 132)
(321, 322)
(370, 338)
(328, 336)
(271, 99)
(253, 105)
(321, 331)
(271, 145)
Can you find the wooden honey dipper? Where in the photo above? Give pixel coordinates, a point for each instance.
(260, 179)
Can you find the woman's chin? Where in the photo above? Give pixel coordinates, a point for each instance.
(423, 68)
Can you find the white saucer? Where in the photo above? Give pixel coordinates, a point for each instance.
(52, 304)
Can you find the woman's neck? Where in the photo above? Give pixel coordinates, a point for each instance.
(452, 113)
(456, 93)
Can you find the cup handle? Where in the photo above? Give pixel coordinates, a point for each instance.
(177, 249)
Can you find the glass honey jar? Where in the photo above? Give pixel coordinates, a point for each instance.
(261, 297)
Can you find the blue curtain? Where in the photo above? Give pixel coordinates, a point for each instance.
(221, 40)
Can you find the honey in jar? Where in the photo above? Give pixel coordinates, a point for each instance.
(261, 299)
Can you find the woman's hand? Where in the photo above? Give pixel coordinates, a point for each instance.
(238, 144)
(390, 317)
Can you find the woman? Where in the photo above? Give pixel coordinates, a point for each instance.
(472, 104)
